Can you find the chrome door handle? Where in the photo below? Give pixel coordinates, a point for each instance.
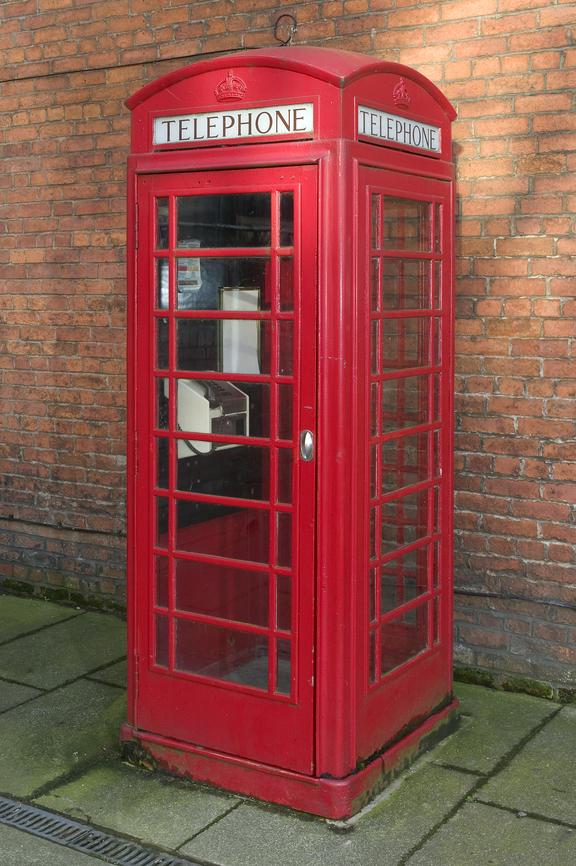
(307, 445)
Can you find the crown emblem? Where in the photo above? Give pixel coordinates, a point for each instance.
(231, 88)
(400, 94)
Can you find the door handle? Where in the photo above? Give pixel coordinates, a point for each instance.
(307, 445)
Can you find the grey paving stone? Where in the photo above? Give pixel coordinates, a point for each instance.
(256, 835)
(116, 674)
(21, 615)
(497, 721)
(480, 835)
(12, 694)
(22, 849)
(542, 777)
(54, 734)
(157, 810)
(63, 652)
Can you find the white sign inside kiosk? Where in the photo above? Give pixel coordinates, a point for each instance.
(235, 123)
(392, 129)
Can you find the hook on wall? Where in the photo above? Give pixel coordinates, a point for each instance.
(285, 23)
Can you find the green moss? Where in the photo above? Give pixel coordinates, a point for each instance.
(528, 687)
(62, 596)
(567, 696)
(474, 677)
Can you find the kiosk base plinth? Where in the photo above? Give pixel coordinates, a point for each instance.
(327, 797)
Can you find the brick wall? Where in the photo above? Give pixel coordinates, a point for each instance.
(509, 67)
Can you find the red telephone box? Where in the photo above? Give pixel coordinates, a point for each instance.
(290, 494)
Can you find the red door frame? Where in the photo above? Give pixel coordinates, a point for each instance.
(231, 719)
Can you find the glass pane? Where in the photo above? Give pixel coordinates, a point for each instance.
(404, 461)
(437, 228)
(162, 637)
(222, 653)
(437, 291)
(436, 616)
(406, 401)
(284, 539)
(286, 265)
(286, 219)
(372, 657)
(284, 602)
(375, 221)
(162, 293)
(373, 521)
(223, 284)
(162, 452)
(374, 285)
(285, 411)
(437, 513)
(285, 348)
(406, 224)
(405, 284)
(373, 470)
(375, 347)
(161, 539)
(436, 578)
(236, 220)
(402, 641)
(162, 565)
(374, 413)
(223, 346)
(405, 343)
(162, 356)
(372, 595)
(222, 409)
(161, 223)
(403, 579)
(162, 403)
(235, 533)
(284, 475)
(218, 590)
(283, 667)
(404, 520)
(240, 471)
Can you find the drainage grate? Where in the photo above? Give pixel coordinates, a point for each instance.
(81, 837)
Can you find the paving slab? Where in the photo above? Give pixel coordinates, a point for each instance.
(11, 694)
(64, 651)
(479, 835)
(19, 616)
(155, 809)
(497, 721)
(257, 835)
(542, 778)
(22, 849)
(56, 733)
(116, 674)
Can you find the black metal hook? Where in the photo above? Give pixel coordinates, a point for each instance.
(293, 27)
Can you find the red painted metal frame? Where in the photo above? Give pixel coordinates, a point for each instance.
(359, 732)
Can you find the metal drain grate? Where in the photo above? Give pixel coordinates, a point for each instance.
(81, 837)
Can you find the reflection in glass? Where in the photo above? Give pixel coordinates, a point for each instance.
(222, 591)
(405, 343)
(162, 293)
(162, 565)
(405, 402)
(284, 492)
(403, 578)
(374, 346)
(286, 219)
(162, 403)
(161, 535)
(162, 635)
(284, 539)
(285, 344)
(162, 356)
(406, 224)
(284, 602)
(218, 530)
(372, 595)
(402, 640)
(285, 411)
(374, 285)
(374, 409)
(239, 471)
(224, 346)
(286, 287)
(405, 284)
(161, 223)
(404, 461)
(162, 452)
(404, 520)
(216, 283)
(283, 667)
(222, 653)
(233, 220)
(375, 220)
(437, 292)
(372, 657)
(437, 228)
